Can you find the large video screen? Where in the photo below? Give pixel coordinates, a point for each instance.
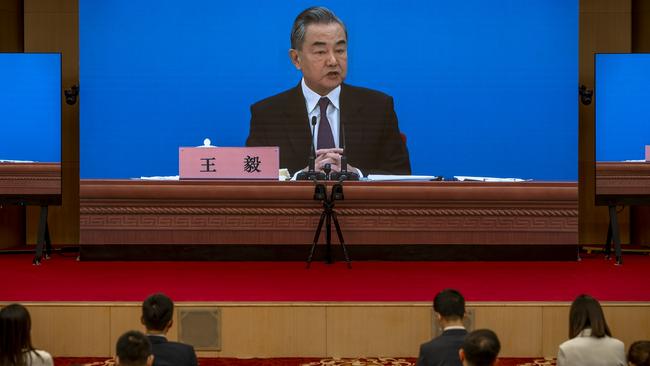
(622, 113)
(30, 107)
(481, 88)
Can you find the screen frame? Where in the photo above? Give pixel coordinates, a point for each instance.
(38, 171)
(493, 140)
(623, 198)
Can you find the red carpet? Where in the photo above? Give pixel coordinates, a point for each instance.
(65, 279)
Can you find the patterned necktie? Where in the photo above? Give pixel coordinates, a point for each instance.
(325, 137)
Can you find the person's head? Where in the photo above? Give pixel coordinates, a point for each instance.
(157, 312)
(449, 306)
(480, 348)
(133, 349)
(586, 312)
(319, 49)
(15, 338)
(639, 354)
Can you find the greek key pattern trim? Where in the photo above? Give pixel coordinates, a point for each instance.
(289, 223)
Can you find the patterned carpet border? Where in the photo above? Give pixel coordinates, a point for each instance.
(296, 361)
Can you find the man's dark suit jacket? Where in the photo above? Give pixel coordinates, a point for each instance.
(442, 350)
(171, 353)
(372, 137)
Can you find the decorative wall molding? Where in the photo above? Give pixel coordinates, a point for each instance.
(622, 179)
(132, 212)
(20, 179)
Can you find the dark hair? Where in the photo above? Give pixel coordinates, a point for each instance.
(157, 311)
(586, 313)
(450, 304)
(133, 348)
(481, 347)
(15, 337)
(313, 15)
(639, 353)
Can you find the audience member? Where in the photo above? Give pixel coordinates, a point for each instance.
(480, 348)
(449, 309)
(591, 341)
(15, 339)
(639, 354)
(157, 313)
(133, 349)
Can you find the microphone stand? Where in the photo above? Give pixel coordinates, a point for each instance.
(344, 174)
(311, 173)
(320, 194)
(327, 216)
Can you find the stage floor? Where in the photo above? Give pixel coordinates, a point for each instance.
(63, 279)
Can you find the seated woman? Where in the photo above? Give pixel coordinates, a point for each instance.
(591, 341)
(639, 354)
(15, 339)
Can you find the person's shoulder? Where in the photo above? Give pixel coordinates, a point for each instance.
(570, 342)
(363, 93)
(41, 357)
(616, 342)
(431, 344)
(582, 342)
(276, 101)
(183, 346)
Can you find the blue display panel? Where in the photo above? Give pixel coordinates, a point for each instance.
(30, 106)
(622, 98)
(481, 87)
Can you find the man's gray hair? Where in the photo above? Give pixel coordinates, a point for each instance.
(313, 15)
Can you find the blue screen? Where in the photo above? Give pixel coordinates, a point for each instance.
(30, 106)
(483, 88)
(622, 98)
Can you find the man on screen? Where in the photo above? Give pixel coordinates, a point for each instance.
(358, 122)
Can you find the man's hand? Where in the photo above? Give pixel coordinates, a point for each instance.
(332, 157)
(328, 156)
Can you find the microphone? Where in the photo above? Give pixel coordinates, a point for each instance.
(312, 151)
(311, 173)
(344, 174)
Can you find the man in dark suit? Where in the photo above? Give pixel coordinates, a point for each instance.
(358, 122)
(157, 314)
(449, 308)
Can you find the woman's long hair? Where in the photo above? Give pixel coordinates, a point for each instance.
(586, 313)
(15, 338)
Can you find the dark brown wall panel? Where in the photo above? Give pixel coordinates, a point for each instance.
(52, 26)
(11, 26)
(605, 26)
(640, 26)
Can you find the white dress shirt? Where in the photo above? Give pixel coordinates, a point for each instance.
(333, 115)
(333, 111)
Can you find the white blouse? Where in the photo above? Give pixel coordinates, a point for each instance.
(33, 358)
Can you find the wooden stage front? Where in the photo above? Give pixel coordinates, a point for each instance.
(270, 220)
(30, 183)
(622, 183)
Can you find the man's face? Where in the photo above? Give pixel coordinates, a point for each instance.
(323, 58)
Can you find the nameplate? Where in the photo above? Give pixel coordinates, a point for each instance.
(647, 153)
(228, 162)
